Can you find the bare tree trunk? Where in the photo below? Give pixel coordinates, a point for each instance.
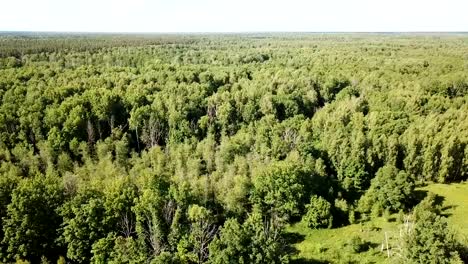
(90, 130)
(127, 225)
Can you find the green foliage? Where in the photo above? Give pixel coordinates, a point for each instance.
(372, 232)
(390, 189)
(318, 213)
(357, 245)
(430, 241)
(83, 224)
(279, 189)
(152, 222)
(92, 214)
(31, 223)
(232, 244)
(352, 217)
(8, 182)
(400, 217)
(113, 249)
(202, 231)
(252, 242)
(454, 205)
(191, 149)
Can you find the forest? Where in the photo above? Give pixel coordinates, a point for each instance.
(209, 148)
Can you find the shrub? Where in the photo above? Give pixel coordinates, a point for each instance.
(357, 245)
(318, 213)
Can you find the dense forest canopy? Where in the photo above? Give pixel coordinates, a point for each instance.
(202, 148)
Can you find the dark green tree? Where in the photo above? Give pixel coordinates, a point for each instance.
(318, 213)
(31, 226)
(391, 189)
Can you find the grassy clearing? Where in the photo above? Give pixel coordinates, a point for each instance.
(332, 245)
(455, 204)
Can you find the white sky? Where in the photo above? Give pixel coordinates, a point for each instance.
(233, 15)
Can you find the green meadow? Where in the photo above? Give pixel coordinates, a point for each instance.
(334, 245)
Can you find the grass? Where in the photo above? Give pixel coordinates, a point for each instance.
(332, 245)
(455, 204)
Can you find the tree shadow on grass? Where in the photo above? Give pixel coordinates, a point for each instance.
(463, 251)
(294, 238)
(443, 210)
(419, 195)
(370, 245)
(290, 239)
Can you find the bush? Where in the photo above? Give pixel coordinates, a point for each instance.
(318, 213)
(357, 245)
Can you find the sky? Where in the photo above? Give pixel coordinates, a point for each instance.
(234, 15)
